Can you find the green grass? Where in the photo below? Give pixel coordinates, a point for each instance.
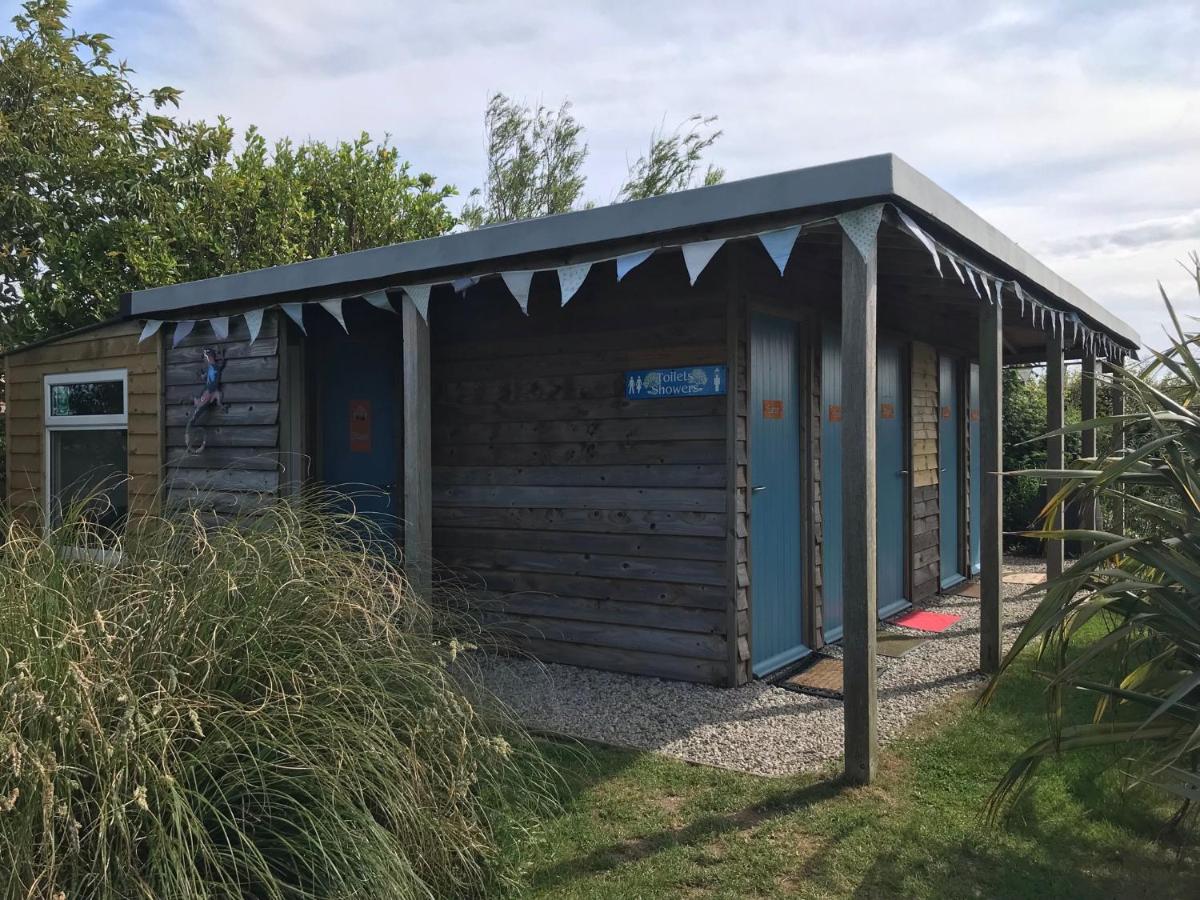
(638, 825)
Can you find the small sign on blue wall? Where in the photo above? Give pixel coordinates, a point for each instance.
(687, 381)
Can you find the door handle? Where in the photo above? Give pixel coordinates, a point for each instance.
(902, 472)
(758, 488)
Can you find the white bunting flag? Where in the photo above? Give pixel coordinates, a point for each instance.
(987, 288)
(254, 320)
(419, 294)
(998, 284)
(971, 278)
(570, 280)
(778, 245)
(182, 330)
(630, 261)
(379, 299)
(954, 265)
(462, 285)
(518, 284)
(1074, 328)
(334, 308)
(295, 312)
(150, 329)
(698, 255)
(921, 236)
(220, 327)
(862, 227)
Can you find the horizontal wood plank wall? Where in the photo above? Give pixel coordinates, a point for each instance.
(816, 411)
(111, 347)
(925, 563)
(239, 468)
(741, 467)
(589, 527)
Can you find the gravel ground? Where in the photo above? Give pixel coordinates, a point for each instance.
(757, 728)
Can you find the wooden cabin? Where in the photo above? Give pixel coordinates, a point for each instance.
(695, 436)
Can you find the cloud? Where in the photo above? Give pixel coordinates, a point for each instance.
(1185, 227)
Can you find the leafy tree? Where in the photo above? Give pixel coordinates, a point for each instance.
(535, 163)
(101, 192)
(673, 160)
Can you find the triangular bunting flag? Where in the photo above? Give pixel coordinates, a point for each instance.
(630, 261)
(254, 319)
(862, 227)
(462, 285)
(150, 329)
(998, 284)
(987, 288)
(570, 279)
(182, 330)
(220, 327)
(778, 245)
(518, 284)
(295, 312)
(971, 278)
(954, 265)
(334, 308)
(1020, 296)
(379, 299)
(915, 230)
(419, 294)
(698, 255)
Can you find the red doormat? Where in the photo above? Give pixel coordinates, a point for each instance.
(923, 620)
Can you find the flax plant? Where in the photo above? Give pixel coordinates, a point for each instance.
(253, 709)
(1122, 624)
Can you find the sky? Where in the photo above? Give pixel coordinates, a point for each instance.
(1074, 127)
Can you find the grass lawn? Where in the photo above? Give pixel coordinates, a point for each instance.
(638, 825)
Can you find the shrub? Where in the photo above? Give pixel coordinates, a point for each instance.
(1140, 590)
(258, 709)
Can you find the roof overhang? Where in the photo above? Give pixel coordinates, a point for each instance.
(715, 211)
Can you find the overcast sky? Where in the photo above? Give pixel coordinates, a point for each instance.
(1072, 126)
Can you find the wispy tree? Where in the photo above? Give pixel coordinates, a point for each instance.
(535, 163)
(673, 160)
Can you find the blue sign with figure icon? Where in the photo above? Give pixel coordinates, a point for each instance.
(687, 381)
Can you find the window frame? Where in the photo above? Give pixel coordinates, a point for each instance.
(103, 422)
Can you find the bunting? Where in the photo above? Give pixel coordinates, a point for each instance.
(220, 327)
(570, 280)
(916, 231)
(419, 294)
(379, 299)
(518, 284)
(778, 245)
(862, 227)
(182, 330)
(334, 308)
(254, 320)
(295, 312)
(630, 261)
(150, 329)
(698, 255)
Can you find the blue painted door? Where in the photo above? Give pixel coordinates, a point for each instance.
(891, 483)
(360, 429)
(973, 440)
(891, 479)
(777, 540)
(831, 483)
(950, 475)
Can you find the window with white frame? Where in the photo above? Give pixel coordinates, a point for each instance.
(87, 445)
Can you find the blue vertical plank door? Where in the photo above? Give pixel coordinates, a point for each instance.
(831, 483)
(777, 538)
(973, 431)
(950, 472)
(891, 479)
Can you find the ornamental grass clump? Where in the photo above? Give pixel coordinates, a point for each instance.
(258, 709)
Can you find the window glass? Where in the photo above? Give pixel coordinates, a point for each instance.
(90, 465)
(88, 398)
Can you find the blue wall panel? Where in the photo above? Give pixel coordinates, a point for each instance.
(890, 478)
(831, 483)
(973, 430)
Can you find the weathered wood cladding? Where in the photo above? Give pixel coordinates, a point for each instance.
(240, 467)
(924, 403)
(595, 528)
(110, 347)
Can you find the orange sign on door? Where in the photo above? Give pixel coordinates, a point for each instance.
(887, 411)
(772, 409)
(835, 412)
(945, 412)
(360, 426)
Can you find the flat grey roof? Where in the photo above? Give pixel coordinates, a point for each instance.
(712, 211)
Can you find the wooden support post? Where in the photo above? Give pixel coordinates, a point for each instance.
(991, 486)
(1055, 379)
(418, 454)
(858, 509)
(1087, 404)
(1117, 448)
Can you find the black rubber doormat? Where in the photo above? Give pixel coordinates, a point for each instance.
(818, 675)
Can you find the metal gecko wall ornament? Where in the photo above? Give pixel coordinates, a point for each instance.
(210, 398)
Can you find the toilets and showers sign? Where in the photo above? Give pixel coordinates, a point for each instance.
(687, 381)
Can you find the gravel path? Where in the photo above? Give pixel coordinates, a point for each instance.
(757, 728)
